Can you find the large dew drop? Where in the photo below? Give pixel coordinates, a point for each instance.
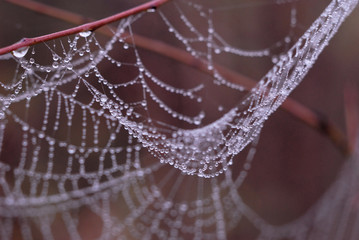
(152, 9)
(85, 34)
(21, 52)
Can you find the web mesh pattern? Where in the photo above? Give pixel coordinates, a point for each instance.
(79, 143)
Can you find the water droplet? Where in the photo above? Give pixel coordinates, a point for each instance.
(55, 64)
(25, 127)
(308, 62)
(152, 9)
(41, 135)
(197, 121)
(55, 57)
(103, 99)
(67, 59)
(275, 59)
(113, 137)
(21, 52)
(69, 66)
(85, 34)
(71, 149)
(183, 207)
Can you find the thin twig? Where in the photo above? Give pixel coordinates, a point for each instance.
(84, 27)
(293, 107)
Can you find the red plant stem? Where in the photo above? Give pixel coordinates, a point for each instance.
(82, 28)
(291, 106)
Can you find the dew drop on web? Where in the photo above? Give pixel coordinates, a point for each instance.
(85, 34)
(151, 10)
(71, 149)
(55, 65)
(21, 52)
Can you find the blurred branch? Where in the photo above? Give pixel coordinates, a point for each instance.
(319, 122)
(299, 111)
(351, 108)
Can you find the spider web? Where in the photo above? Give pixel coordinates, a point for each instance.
(90, 130)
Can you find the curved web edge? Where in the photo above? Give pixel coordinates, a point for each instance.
(208, 151)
